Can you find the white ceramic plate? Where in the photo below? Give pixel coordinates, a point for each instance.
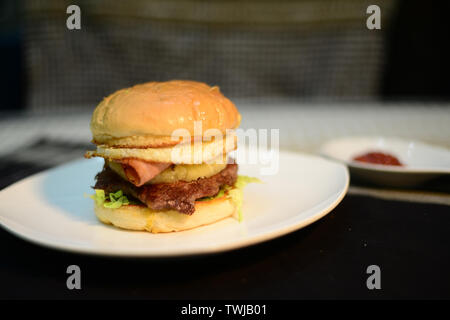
(50, 209)
(421, 161)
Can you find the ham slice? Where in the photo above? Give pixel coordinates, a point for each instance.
(139, 172)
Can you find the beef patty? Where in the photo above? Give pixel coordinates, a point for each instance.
(180, 195)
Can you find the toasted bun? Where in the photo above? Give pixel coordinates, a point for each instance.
(147, 114)
(133, 217)
(215, 150)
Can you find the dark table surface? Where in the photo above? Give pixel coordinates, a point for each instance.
(410, 242)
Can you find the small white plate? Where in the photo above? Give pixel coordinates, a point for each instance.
(50, 209)
(421, 161)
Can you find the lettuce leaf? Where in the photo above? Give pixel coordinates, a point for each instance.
(99, 196)
(235, 194)
(242, 181)
(112, 201)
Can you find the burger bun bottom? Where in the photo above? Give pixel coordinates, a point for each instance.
(140, 218)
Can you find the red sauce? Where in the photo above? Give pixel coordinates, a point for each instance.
(379, 158)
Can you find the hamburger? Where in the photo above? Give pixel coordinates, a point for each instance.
(165, 147)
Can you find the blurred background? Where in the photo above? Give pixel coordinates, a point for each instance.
(306, 50)
(309, 67)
